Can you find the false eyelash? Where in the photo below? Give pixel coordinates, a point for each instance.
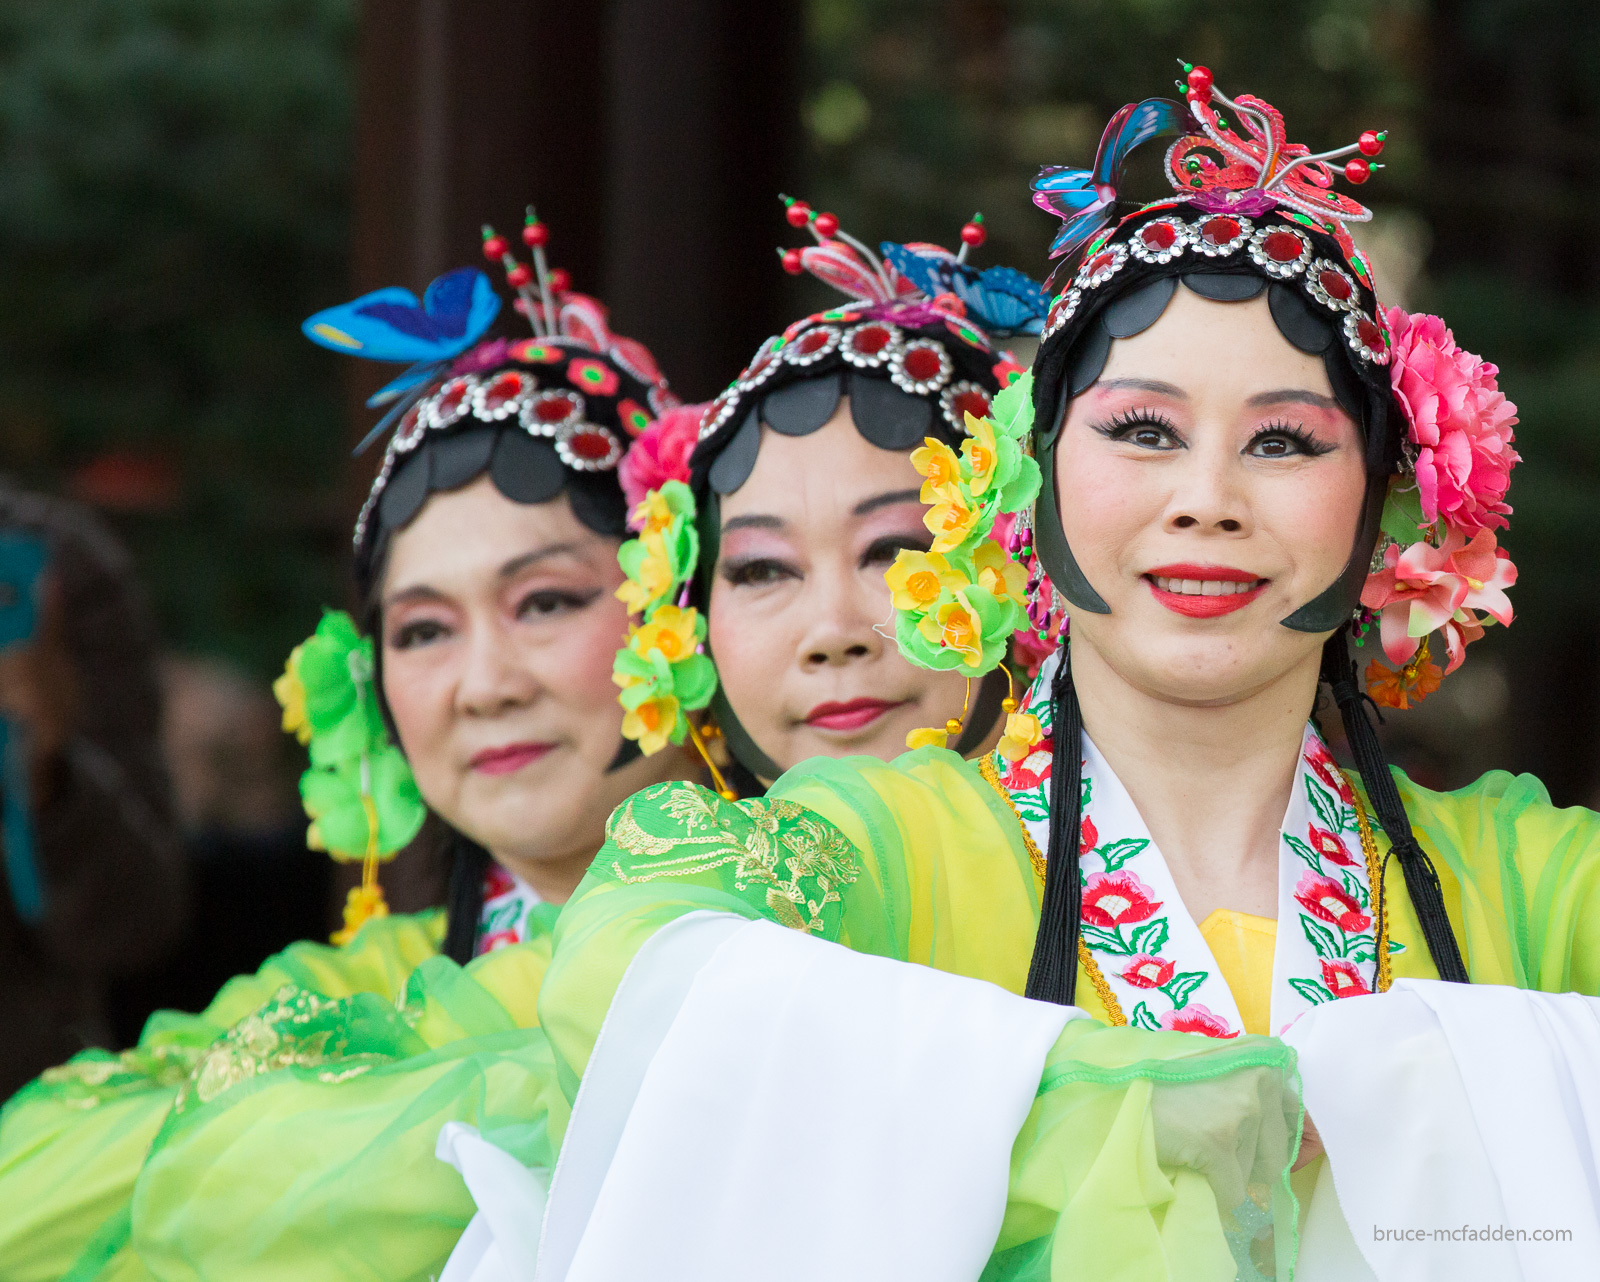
(1120, 424)
(1295, 432)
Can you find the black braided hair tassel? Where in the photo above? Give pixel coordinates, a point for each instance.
(1053, 973)
(469, 863)
(1422, 882)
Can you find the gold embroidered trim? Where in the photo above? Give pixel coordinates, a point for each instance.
(1380, 913)
(1086, 962)
(781, 834)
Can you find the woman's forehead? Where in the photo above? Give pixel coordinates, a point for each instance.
(832, 470)
(1216, 349)
(471, 534)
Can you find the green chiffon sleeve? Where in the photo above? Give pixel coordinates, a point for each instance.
(1146, 1156)
(72, 1141)
(303, 1146)
(1521, 882)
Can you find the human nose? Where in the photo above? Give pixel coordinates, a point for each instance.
(496, 676)
(839, 625)
(1209, 494)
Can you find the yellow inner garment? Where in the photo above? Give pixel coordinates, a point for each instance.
(1242, 943)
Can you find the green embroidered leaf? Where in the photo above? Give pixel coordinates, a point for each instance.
(1085, 787)
(1031, 805)
(1395, 946)
(1353, 886)
(1304, 851)
(1362, 952)
(1311, 990)
(1326, 807)
(1142, 1018)
(1150, 937)
(1320, 937)
(1109, 941)
(1182, 984)
(1117, 853)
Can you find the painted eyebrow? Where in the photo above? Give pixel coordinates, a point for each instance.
(1143, 385)
(887, 499)
(752, 523)
(509, 570)
(1292, 396)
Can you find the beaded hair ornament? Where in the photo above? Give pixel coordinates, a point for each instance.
(913, 350)
(578, 393)
(1256, 213)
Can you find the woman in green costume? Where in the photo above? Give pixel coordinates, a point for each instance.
(487, 552)
(1224, 430)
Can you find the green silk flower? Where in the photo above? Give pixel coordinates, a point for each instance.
(357, 776)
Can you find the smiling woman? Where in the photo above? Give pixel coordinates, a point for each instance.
(801, 491)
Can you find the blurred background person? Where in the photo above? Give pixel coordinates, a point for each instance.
(94, 886)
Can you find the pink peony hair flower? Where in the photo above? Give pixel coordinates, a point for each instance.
(1460, 422)
(660, 454)
(1422, 589)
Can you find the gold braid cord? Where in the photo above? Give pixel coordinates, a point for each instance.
(1380, 908)
(1086, 962)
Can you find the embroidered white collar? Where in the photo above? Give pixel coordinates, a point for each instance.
(1148, 947)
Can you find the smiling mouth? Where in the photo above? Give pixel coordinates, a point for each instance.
(509, 759)
(1204, 592)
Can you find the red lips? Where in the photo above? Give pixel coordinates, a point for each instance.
(1194, 605)
(512, 757)
(851, 715)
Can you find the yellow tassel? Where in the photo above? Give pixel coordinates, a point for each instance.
(365, 901)
(721, 784)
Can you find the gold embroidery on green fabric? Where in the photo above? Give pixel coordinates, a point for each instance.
(90, 1080)
(279, 1035)
(763, 839)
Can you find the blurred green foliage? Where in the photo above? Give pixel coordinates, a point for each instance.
(174, 192)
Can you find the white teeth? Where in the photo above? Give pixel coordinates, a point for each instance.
(1204, 587)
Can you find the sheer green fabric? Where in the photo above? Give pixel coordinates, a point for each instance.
(72, 1142)
(1146, 1155)
(1521, 883)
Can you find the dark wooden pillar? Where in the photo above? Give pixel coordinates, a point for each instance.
(652, 135)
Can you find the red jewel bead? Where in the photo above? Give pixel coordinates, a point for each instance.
(1370, 143)
(560, 280)
(1370, 335)
(535, 235)
(792, 263)
(1199, 81)
(495, 248)
(1357, 170)
(1159, 236)
(554, 409)
(922, 364)
(1101, 261)
(1282, 246)
(812, 341)
(1334, 286)
(973, 234)
(826, 225)
(870, 341)
(974, 403)
(589, 445)
(519, 276)
(798, 214)
(1220, 230)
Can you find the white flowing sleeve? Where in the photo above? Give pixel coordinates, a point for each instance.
(755, 1086)
(1462, 1129)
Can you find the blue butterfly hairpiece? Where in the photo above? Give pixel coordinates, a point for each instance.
(391, 325)
(1000, 299)
(1086, 199)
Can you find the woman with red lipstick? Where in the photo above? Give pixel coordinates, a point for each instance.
(1232, 466)
(289, 1129)
(801, 490)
